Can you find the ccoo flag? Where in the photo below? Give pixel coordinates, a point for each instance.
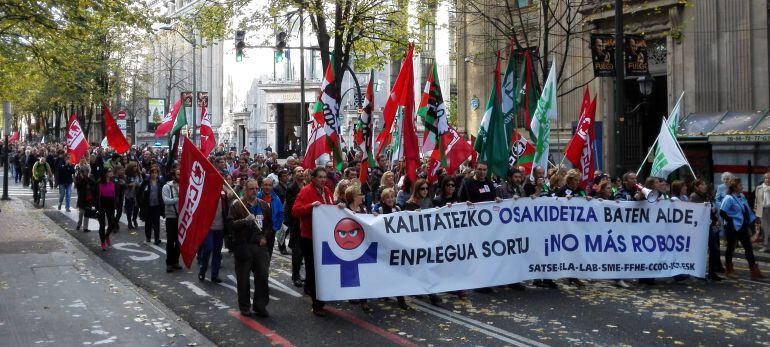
(200, 185)
(668, 156)
(580, 148)
(77, 146)
(541, 120)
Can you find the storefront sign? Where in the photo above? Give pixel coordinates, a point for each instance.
(740, 138)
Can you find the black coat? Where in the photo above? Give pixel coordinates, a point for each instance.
(143, 196)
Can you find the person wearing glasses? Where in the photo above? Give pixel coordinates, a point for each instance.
(421, 199)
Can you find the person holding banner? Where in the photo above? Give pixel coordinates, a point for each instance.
(700, 195)
(312, 195)
(387, 205)
(447, 193)
(737, 216)
(250, 250)
(354, 201)
(571, 189)
(418, 201)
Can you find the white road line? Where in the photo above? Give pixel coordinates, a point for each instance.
(282, 287)
(202, 293)
(473, 324)
(232, 278)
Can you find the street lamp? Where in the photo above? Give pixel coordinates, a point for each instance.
(646, 83)
(194, 97)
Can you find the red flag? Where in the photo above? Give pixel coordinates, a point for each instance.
(115, 138)
(456, 151)
(14, 137)
(411, 147)
(391, 105)
(316, 147)
(579, 149)
(77, 146)
(200, 185)
(168, 120)
(208, 141)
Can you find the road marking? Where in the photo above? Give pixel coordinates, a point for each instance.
(371, 327)
(124, 246)
(232, 278)
(473, 324)
(282, 287)
(265, 331)
(202, 293)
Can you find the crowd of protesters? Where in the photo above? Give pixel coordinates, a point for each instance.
(267, 204)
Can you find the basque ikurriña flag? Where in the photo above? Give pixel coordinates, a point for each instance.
(77, 146)
(200, 185)
(168, 120)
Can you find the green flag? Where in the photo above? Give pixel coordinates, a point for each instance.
(668, 156)
(675, 116)
(541, 121)
(492, 144)
(509, 96)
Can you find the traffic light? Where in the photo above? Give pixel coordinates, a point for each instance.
(240, 36)
(280, 44)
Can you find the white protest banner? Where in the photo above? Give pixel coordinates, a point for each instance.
(489, 244)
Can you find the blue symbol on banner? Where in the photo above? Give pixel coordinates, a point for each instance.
(348, 268)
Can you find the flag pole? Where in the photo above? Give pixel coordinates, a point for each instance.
(646, 156)
(239, 200)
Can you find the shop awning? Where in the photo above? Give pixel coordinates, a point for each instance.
(732, 126)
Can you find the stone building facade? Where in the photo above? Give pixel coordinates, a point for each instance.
(715, 51)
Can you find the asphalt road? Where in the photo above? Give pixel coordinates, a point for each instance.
(693, 312)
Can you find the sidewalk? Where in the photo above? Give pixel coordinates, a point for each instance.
(56, 292)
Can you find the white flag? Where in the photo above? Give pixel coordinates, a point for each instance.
(541, 120)
(675, 116)
(668, 157)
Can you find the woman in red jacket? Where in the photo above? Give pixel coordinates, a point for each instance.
(310, 196)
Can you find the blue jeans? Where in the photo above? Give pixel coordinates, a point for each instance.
(65, 191)
(212, 244)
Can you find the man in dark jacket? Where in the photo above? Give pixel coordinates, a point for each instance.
(250, 251)
(65, 171)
